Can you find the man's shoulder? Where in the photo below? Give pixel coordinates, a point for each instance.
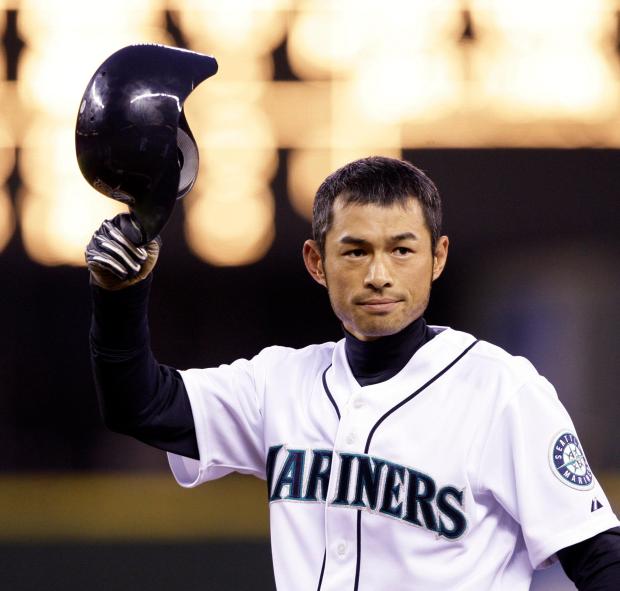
(283, 358)
(488, 357)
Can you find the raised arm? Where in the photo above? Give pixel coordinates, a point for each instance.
(137, 395)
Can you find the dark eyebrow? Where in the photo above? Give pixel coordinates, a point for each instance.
(404, 236)
(360, 241)
(353, 240)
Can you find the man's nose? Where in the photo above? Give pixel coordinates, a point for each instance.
(378, 276)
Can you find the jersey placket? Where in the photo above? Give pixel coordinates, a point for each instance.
(362, 411)
(341, 519)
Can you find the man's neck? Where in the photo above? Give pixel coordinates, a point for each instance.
(376, 361)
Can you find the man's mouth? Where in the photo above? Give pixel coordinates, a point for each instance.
(379, 304)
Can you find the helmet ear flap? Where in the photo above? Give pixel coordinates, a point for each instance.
(187, 151)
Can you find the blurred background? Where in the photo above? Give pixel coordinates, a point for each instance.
(513, 108)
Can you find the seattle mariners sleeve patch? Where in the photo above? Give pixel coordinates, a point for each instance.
(568, 462)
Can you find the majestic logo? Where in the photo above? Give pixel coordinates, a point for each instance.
(366, 483)
(568, 462)
(596, 505)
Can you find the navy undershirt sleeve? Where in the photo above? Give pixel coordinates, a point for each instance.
(594, 564)
(137, 395)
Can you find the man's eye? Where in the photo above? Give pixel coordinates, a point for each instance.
(402, 250)
(355, 253)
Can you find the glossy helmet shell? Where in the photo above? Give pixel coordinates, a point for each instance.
(132, 140)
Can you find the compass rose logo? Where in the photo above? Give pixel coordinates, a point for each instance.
(569, 463)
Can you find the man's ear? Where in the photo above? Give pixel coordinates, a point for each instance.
(314, 262)
(440, 256)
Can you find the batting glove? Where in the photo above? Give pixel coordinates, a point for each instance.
(113, 256)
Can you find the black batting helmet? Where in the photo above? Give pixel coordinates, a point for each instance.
(132, 140)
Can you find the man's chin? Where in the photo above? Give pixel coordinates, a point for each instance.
(381, 327)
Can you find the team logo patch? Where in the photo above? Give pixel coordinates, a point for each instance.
(568, 462)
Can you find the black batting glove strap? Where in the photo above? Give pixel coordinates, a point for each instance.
(114, 247)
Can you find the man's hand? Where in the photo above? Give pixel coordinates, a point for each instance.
(113, 256)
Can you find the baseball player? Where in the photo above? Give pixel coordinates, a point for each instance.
(404, 456)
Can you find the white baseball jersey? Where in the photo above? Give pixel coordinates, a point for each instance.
(461, 472)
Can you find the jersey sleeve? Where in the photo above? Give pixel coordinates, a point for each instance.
(535, 467)
(227, 413)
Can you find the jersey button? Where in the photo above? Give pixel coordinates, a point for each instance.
(351, 438)
(358, 403)
(342, 549)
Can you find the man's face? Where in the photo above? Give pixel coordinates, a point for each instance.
(378, 266)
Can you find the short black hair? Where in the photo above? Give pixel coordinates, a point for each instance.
(380, 181)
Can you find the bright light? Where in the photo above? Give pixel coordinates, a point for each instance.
(52, 79)
(227, 228)
(7, 163)
(415, 73)
(230, 214)
(59, 211)
(57, 225)
(547, 59)
(393, 88)
(228, 121)
(111, 19)
(47, 159)
(64, 46)
(307, 169)
(237, 26)
(351, 128)
(376, 77)
(147, 95)
(7, 218)
(300, 113)
(3, 28)
(329, 37)
(238, 165)
(7, 139)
